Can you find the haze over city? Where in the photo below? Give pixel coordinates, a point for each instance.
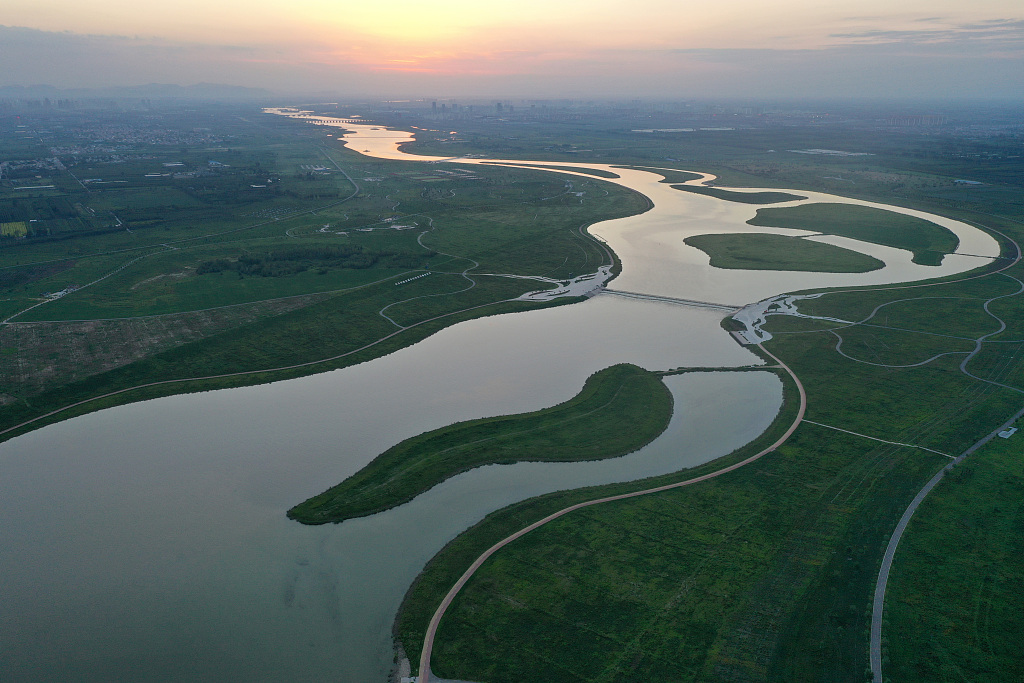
(652, 48)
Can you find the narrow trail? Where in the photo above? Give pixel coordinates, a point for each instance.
(465, 274)
(428, 639)
(117, 270)
(878, 602)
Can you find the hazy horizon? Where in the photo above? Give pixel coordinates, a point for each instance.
(453, 48)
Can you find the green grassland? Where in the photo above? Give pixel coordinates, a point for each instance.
(177, 229)
(913, 168)
(955, 604)
(779, 252)
(763, 574)
(619, 410)
(741, 197)
(766, 573)
(928, 241)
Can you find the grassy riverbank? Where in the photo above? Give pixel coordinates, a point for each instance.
(597, 596)
(619, 409)
(779, 252)
(765, 573)
(283, 256)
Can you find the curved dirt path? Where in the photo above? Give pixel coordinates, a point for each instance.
(428, 638)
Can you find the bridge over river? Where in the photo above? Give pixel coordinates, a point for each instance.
(673, 300)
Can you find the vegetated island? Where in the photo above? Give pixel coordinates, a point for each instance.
(599, 172)
(619, 410)
(669, 175)
(929, 242)
(741, 197)
(781, 252)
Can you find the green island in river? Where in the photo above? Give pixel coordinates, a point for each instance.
(928, 241)
(781, 252)
(619, 410)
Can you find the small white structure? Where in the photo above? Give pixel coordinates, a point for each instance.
(1007, 433)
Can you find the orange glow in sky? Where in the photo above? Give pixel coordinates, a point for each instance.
(570, 39)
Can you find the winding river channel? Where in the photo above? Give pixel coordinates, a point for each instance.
(148, 542)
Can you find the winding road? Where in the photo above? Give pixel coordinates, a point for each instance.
(878, 602)
(428, 639)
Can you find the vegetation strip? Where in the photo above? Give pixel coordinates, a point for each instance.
(730, 195)
(428, 640)
(619, 410)
(598, 172)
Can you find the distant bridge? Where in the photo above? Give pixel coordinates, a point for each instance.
(672, 300)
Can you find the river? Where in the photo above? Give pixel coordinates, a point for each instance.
(148, 542)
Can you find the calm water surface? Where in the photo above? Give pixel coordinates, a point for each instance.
(148, 542)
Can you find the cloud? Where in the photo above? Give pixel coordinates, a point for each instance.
(969, 60)
(1006, 31)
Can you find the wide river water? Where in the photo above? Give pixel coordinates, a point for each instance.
(148, 542)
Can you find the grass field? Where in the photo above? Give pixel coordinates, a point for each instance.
(928, 241)
(955, 603)
(763, 574)
(619, 410)
(767, 573)
(178, 233)
(778, 252)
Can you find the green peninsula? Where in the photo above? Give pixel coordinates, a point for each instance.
(619, 410)
(780, 252)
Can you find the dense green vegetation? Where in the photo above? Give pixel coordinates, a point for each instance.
(619, 410)
(290, 261)
(779, 252)
(764, 574)
(955, 604)
(928, 241)
(741, 197)
(257, 244)
(761, 606)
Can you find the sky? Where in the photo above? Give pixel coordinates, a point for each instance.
(665, 49)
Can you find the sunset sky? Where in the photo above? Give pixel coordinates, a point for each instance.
(653, 48)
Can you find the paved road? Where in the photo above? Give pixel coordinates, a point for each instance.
(878, 605)
(428, 638)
